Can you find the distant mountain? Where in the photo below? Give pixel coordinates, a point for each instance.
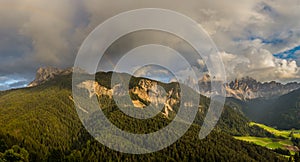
(42, 121)
(44, 74)
(248, 88)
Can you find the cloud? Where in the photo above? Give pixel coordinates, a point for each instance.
(260, 64)
(249, 32)
(37, 33)
(154, 72)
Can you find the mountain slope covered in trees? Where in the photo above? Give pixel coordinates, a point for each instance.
(41, 124)
(281, 112)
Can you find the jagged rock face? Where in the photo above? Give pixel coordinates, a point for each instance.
(146, 90)
(149, 91)
(249, 88)
(44, 74)
(95, 89)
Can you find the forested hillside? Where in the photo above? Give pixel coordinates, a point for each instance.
(41, 124)
(281, 112)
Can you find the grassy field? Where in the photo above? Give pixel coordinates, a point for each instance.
(278, 133)
(271, 143)
(283, 137)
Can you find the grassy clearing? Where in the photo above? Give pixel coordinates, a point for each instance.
(281, 140)
(271, 143)
(278, 133)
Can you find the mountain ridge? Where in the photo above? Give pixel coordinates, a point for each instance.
(44, 74)
(249, 88)
(245, 88)
(44, 122)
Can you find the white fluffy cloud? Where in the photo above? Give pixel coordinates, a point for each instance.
(260, 64)
(251, 34)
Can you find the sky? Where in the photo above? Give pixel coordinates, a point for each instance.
(255, 38)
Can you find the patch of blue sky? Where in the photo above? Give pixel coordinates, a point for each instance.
(273, 41)
(9, 83)
(289, 54)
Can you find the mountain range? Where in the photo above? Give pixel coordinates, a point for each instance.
(270, 103)
(243, 89)
(248, 88)
(40, 123)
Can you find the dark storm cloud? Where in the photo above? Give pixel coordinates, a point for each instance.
(136, 39)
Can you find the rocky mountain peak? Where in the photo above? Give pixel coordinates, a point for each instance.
(249, 88)
(205, 78)
(244, 83)
(145, 92)
(44, 74)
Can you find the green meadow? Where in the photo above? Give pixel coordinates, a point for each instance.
(282, 138)
(271, 143)
(278, 133)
